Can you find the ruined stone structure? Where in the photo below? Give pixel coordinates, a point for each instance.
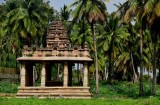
(58, 50)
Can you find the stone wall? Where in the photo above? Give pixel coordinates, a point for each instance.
(6, 70)
(10, 74)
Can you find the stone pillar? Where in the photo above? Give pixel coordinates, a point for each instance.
(23, 75)
(85, 78)
(65, 79)
(43, 75)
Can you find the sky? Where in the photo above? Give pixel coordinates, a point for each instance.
(1, 1)
(57, 4)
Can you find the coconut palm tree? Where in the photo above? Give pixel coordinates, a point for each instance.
(6, 44)
(64, 13)
(25, 22)
(136, 10)
(147, 14)
(65, 16)
(28, 20)
(152, 14)
(92, 11)
(112, 36)
(129, 53)
(81, 35)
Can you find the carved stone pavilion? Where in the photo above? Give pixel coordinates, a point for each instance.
(58, 50)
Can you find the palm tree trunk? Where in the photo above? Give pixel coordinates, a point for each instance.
(109, 68)
(134, 72)
(141, 68)
(158, 63)
(96, 58)
(110, 71)
(154, 69)
(16, 62)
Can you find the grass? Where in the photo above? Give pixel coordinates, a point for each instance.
(117, 101)
(116, 93)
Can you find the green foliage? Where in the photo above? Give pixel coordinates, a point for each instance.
(119, 89)
(9, 61)
(81, 34)
(64, 13)
(8, 87)
(146, 77)
(22, 22)
(38, 67)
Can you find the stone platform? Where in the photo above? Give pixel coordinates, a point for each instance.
(54, 92)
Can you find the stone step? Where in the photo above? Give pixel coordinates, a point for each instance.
(59, 94)
(54, 95)
(53, 91)
(66, 97)
(53, 88)
(49, 92)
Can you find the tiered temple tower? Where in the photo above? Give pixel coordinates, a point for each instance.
(57, 35)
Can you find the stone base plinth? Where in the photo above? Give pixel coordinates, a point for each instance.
(54, 92)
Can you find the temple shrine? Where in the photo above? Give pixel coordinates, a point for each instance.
(58, 50)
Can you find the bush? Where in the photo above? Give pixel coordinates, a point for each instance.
(146, 77)
(8, 87)
(147, 89)
(120, 89)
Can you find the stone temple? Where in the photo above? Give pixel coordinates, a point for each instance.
(60, 51)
